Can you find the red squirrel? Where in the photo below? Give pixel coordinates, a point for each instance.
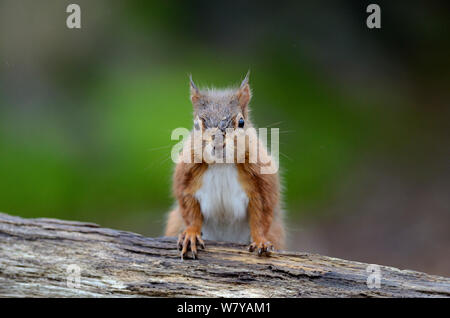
(231, 202)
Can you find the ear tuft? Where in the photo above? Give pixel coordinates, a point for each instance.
(244, 93)
(195, 93)
(246, 79)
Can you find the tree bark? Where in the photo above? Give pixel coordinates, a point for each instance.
(39, 258)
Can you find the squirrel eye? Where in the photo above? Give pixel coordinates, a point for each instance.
(241, 123)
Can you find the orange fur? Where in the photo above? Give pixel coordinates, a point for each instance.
(263, 208)
(263, 190)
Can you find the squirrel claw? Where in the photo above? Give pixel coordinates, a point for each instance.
(263, 247)
(188, 240)
(200, 241)
(180, 242)
(260, 251)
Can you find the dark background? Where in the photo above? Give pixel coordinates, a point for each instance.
(86, 115)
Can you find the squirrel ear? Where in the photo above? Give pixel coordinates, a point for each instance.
(244, 93)
(195, 93)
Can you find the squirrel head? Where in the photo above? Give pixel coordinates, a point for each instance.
(221, 108)
(218, 110)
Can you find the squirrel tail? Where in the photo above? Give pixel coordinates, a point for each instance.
(175, 223)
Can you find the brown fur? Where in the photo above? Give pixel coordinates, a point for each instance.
(263, 190)
(263, 207)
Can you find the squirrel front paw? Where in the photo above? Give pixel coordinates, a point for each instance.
(262, 246)
(189, 239)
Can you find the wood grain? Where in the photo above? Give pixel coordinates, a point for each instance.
(35, 255)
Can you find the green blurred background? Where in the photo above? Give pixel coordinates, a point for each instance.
(86, 115)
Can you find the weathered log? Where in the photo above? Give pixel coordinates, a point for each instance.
(35, 255)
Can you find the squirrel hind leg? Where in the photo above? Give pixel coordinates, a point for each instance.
(175, 223)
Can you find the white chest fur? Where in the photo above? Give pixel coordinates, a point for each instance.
(223, 203)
